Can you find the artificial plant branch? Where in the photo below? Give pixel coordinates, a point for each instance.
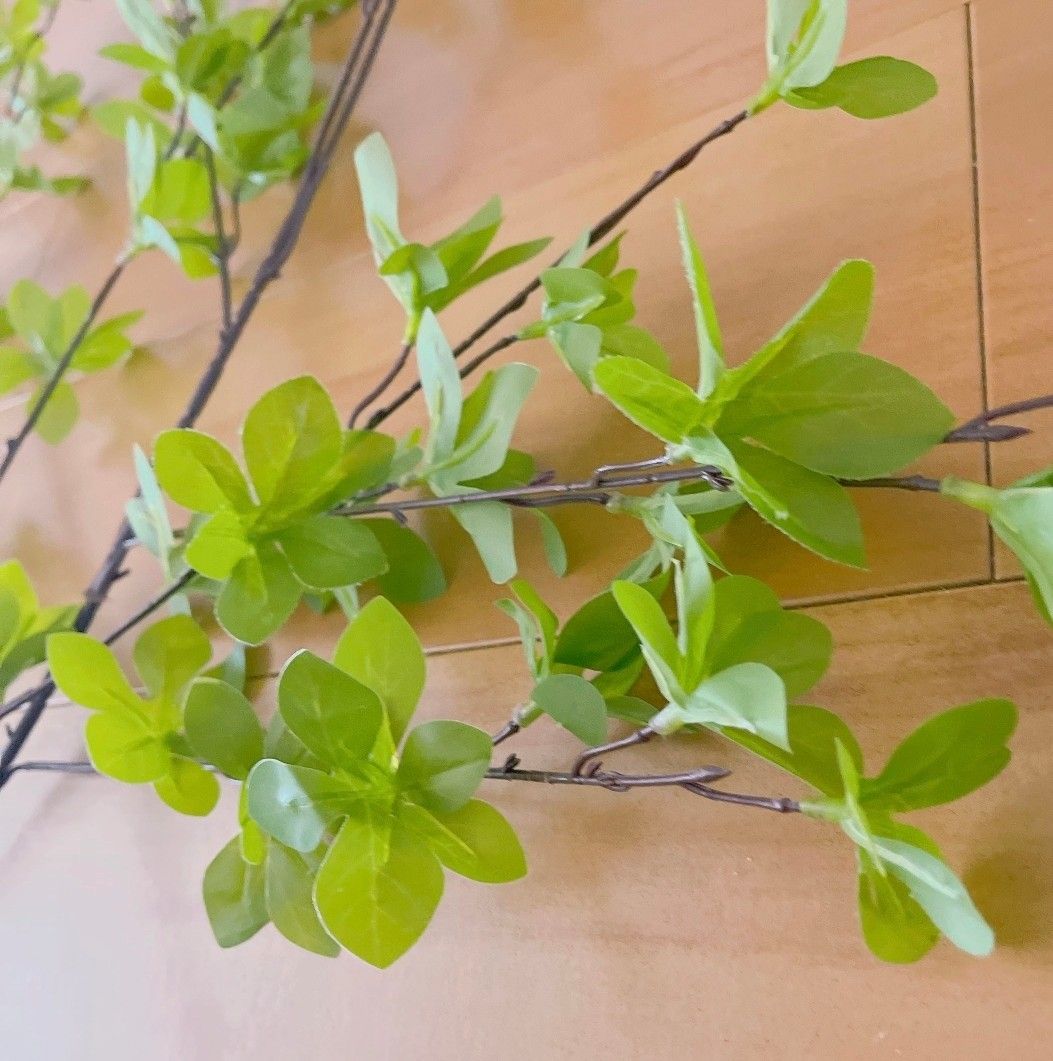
(981, 429)
(601, 228)
(356, 70)
(222, 245)
(378, 391)
(46, 22)
(694, 781)
(548, 493)
(15, 443)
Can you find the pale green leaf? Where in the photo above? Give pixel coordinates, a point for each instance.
(442, 764)
(234, 897)
(222, 727)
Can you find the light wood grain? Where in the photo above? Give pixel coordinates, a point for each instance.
(1014, 54)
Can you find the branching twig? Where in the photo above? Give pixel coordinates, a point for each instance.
(980, 428)
(356, 70)
(222, 246)
(601, 228)
(388, 378)
(15, 443)
(548, 493)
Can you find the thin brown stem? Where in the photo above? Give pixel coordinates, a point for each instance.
(546, 493)
(980, 427)
(377, 392)
(14, 444)
(222, 246)
(601, 228)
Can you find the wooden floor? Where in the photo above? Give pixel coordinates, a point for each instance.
(649, 926)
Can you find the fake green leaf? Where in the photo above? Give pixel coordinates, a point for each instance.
(813, 734)
(812, 509)
(945, 758)
(895, 927)
(654, 401)
(877, 87)
(659, 645)
(288, 892)
(747, 696)
(259, 596)
(750, 625)
(336, 717)
(710, 344)
(187, 787)
(234, 897)
(442, 764)
(380, 649)
(575, 704)
(489, 523)
(297, 804)
(222, 727)
(88, 673)
(476, 841)
(326, 552)
(1022, 516)
(198, 472)
(939, 893)
(377, 888)
(414, 573)
(842, 414)
(125, 746)
(24, 625)
(59, 414)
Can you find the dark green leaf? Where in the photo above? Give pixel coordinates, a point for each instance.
(442, 764)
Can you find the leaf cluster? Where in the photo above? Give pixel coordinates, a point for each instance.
(36, 330)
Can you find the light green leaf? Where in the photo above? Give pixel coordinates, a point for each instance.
(876, 87)
(380, 195)
(811, 508)
(895, 927)
(140, 144)
(442, 764)
(198, 472)
(297, 804)
(832, 321)
(654, 401)
(259, 597)
(488, 419)
(441, 385)
(939, 893)
(142, 19)
(747, 696)
(234, 897)
(291, 438)
(575, 704)
(123, 745)
(179, 192)
(169, 654)
(579, 346)
(646, 617)
(489, 523)
(710, 344)
(552, 543)
(59, 415)
(219, 545)
(414, 573)
(88, 673)
(842, 414)
(945, 758)
(335, 716)
(476, 841)
(377, 889)
(288, 890)
(693, 583)
(188, 787)
(222, 727)
(813, 734)
(381, 650)
(750, 626)
(326, 552)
